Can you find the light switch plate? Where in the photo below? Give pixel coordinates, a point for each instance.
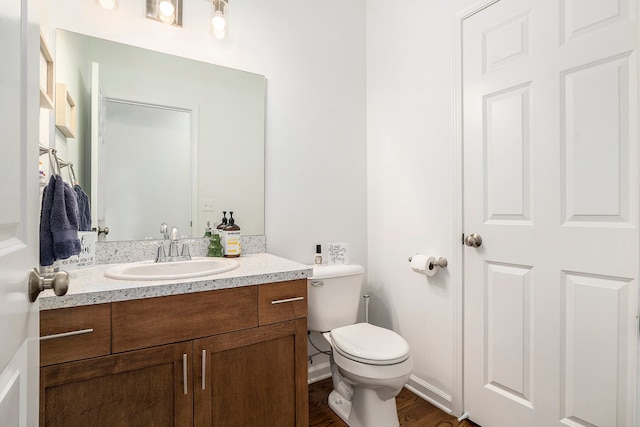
(207, 205)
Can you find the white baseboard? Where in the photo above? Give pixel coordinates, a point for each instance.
(318, 372)
(431, 394)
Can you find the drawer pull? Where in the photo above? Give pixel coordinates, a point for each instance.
(282, 301)
(66, 334)
(204, 366)
(184, 372)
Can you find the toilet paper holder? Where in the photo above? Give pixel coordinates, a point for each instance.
(440, 262)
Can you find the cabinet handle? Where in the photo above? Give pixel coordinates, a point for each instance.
(66, 334)
(281, 301)
(184, 372)
(204, 366)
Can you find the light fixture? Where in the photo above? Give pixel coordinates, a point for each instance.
(219, 18)
(166, 11)
(107, 4)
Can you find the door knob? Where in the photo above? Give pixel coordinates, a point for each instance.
(58, 281)
(473, 240)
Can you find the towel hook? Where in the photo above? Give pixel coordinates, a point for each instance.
(52, 164)
(73, 174)
(55, 156)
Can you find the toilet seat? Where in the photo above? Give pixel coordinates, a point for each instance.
(370, 344)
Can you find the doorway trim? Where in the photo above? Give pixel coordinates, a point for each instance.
(458, 207)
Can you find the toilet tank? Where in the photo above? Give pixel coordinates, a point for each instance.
(333, 296)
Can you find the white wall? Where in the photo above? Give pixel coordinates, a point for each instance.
(411, 181)
(314, 62)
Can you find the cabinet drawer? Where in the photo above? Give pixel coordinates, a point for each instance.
(162, 320)
(74, 333)
(282, 301)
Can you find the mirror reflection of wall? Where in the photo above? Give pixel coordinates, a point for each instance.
(227, 118)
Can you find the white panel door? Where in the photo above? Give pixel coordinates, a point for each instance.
(19, 103)
(550, 162)
(135, 133)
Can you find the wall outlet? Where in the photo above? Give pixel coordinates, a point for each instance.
(207, 205)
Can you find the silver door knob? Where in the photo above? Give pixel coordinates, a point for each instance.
(473, 240)
(58, 281)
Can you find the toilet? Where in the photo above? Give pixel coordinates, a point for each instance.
(369, 364)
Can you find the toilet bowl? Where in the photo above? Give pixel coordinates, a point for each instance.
(369, 364)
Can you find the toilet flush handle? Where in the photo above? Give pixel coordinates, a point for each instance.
(317, 283)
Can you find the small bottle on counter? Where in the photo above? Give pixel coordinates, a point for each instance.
(231, 238)
(317, 260)
(207, 230)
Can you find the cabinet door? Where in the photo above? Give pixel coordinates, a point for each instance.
(256, 377)
(151, 387)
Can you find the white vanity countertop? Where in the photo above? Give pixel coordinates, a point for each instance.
(89, 286)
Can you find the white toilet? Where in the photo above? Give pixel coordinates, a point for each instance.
(369, 364)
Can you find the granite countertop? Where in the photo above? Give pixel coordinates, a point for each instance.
(89, 286)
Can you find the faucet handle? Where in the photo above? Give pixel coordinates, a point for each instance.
(185, 250)
(161, 256)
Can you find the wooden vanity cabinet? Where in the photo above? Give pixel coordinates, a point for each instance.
(233, 357)
(252, 377)
(138, 388)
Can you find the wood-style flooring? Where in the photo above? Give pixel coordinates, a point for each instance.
(412, 410)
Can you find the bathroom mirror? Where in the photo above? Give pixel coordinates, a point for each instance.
(140, 170)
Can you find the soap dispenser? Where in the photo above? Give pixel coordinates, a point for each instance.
(223, 223)
(231, 238)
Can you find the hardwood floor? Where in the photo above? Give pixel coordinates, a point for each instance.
(412, 410)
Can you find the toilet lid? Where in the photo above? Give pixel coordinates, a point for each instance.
(370, 344)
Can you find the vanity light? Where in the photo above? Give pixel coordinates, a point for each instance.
(219, 18)
(107, 4)
(166, 11)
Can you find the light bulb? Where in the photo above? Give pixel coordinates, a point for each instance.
(218, 22)
(166, 8)
(219, 16)
(107, 4)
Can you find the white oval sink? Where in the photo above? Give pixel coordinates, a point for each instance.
(151, 270)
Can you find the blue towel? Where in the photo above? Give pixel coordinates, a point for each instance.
(46, 240)
(64, 221)
(58, 222)
(84, 210)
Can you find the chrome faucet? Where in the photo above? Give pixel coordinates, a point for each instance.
(174, 254)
